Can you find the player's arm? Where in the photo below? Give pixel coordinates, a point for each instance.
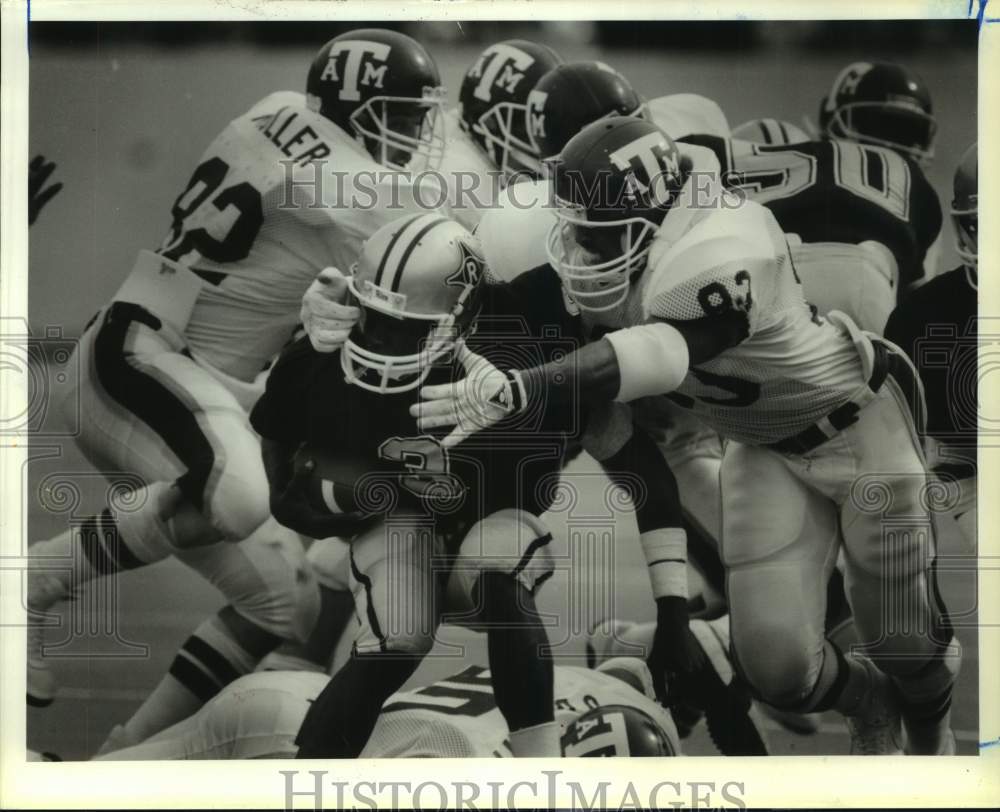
(280, 417)
(640, 470)
(650, 359)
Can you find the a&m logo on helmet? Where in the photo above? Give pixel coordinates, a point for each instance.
(653, 166)
(536, 114)
(846, 84)
(363, 66)
(501, 65)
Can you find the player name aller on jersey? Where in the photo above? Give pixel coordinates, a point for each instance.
(281, 130)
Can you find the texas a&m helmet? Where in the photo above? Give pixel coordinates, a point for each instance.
(965, 213)
(571, 96)
(616, 730)
(614, 183)
(384, 88)
(492, 101)
(884, 104)
(416, 283)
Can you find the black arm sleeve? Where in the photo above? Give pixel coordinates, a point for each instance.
(281, 413)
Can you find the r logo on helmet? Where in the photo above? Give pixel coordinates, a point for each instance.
(354, 63)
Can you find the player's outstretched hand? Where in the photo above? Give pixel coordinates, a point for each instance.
(476, 402)
(39, 171)
(325, 317)
(676, 658)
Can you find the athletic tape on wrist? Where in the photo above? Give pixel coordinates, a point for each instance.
(665, 551)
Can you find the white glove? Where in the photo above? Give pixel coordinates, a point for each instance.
(472, 404)
(327, 321)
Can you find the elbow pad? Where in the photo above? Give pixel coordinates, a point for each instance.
(652, 360)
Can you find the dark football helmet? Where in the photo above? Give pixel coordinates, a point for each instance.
(571, 96)
(492, 101)
(614, 183)
(616, 730)
(384, 88)
(965, 213)
(417, 285)
(884, 104)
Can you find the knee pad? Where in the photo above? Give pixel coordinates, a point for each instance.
(510, 541)
(778, 671)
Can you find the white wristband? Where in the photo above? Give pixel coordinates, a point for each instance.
(652, 360)
(665, 551)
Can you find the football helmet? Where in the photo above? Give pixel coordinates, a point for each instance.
(416, 284)
(492, 101)
(883, 104)
(384, 88)
(965, 214)
(616, 730)
(571, 96)
(614, 183)
(770, 131)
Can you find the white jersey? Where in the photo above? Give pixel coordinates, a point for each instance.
(473, 181)
(280, 194)
(790, 369)
(259, 716)
(681, 114)
(458, 717)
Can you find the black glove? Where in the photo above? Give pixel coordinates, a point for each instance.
(38, 174)
(677, 657)
(293, 508)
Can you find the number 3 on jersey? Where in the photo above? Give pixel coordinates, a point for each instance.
(213, 220)
(427, 461)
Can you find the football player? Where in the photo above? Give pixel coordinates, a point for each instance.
(174, 361)
(487, 135)
(936, 325)
(770, 131)
(605, 712)
(425, 525)
(857, 199)
(703, 304)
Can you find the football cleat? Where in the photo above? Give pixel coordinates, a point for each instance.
(383, 88)
(876, 729)
(44, 591)
(492, 102)
(883, 104)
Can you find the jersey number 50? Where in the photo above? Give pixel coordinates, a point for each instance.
(220, 225)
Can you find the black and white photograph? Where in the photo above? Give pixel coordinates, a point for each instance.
(447, 387)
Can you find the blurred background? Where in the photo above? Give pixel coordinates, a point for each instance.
(126, 110)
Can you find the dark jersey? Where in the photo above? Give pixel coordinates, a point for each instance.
(374, 440)
(837, 191)
(936, 325)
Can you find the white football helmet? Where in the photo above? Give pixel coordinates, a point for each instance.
(416, 283)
